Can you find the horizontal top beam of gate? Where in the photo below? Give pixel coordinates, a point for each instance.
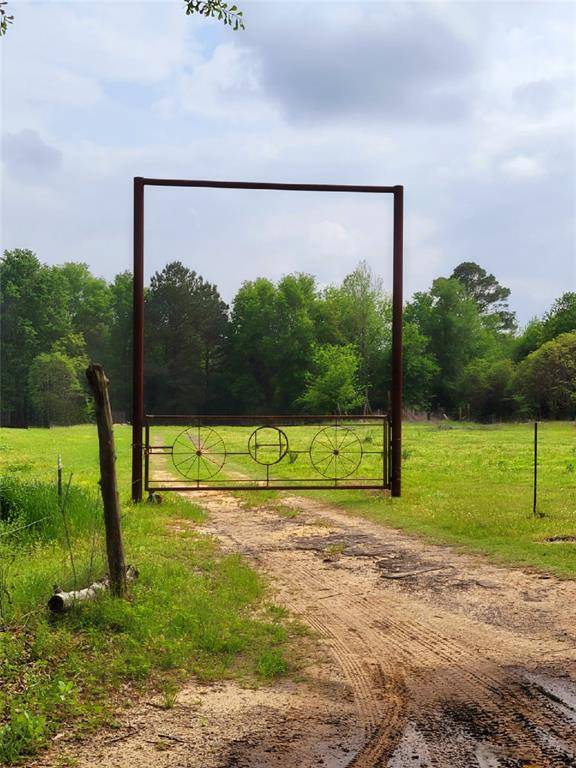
(263, 417)
(266, 185)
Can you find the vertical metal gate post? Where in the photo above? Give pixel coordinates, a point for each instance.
(138, 340)
(535, 488)
(397, 301)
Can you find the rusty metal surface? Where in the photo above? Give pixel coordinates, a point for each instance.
(368, 189)
(397, 309)
(138, 341)
(266, 452)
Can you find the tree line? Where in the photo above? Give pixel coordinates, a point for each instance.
(284, 347)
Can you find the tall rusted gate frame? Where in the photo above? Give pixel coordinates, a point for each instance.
(341, 442)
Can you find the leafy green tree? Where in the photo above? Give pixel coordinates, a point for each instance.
(530, 339)
(89, 307)
(561, 318)
(212, 328)
(119, 355)
(294, 353)
(486, 388)
(333, 386)
(33, 303)
(359, 312)
(185, 328)
(55, 392)
(546, 379)
(491, 298)
(251, 351)
(449, 319)
(499, 400)
(271, 342)
(420, 370)
(266, 357)
(73, 347)
(18, 272)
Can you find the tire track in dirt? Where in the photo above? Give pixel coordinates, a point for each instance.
(514, 710)
(433, 686)
(377, 690)
(500, 699)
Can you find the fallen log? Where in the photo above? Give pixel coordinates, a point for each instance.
(61, 601)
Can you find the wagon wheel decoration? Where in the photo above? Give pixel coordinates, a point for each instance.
(198, 453)
(336, 452)
(268, 445)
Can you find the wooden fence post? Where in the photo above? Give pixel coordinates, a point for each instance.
(108, 483)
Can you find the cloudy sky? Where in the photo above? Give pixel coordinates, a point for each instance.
(469, 105)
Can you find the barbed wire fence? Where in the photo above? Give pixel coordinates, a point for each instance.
(516, 462)
(58, 532)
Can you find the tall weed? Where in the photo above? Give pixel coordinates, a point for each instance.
(32, 511)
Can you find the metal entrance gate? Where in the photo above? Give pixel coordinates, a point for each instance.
(391, 451)
(266, 452)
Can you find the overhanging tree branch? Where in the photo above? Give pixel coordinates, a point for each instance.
(5, 19)
(216, 9)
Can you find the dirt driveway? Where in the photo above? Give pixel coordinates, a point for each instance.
(425, 657)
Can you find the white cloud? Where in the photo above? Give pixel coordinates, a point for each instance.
(63, 54)
(117, 89)
(226, 86)
(523, 167)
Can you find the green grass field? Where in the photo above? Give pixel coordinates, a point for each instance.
(468, 485)
(192, 610)
(465, 484)
(471, 486)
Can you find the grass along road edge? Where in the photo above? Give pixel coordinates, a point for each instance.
(192, 612)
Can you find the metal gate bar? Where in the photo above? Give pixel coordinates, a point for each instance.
(223, 453)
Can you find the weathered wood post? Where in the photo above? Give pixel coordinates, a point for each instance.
(108, 483)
